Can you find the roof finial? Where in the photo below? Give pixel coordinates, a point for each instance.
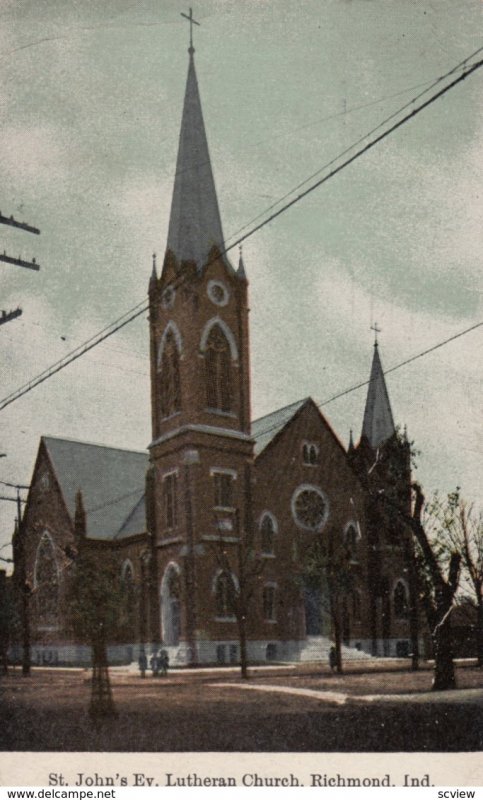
(192, 22)
(154, 276)
(351, 444)
(376, 330)
(241, 266)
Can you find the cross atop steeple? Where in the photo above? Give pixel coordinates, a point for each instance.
(376, 330)
(192, 22)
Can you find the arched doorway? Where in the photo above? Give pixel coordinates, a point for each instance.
(312, 608)
(171, 605)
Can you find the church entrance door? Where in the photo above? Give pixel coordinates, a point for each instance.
(313, 616)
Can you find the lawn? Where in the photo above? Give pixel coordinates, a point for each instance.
(209, 710)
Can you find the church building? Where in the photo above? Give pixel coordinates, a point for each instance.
(220, 506)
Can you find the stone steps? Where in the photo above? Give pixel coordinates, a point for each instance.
(317, 648)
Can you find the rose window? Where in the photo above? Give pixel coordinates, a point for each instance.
(310, 508)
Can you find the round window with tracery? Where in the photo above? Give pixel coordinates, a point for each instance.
(218, 293)
(310, 508)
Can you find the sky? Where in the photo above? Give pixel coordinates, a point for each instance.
(90, 101)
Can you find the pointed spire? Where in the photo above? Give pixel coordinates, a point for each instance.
(350, 449)
(241, 266)
(154, 275)
(378, 425)
(195, 223)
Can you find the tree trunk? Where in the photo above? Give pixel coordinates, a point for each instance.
(444, 675)
(102, 704)
(242, 633)
(413, 605)
(334, 610)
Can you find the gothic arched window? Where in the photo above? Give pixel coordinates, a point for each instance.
(46, 582)
(267, 535)
(168, 376)
(401, 606)
(218, 370)
(351, 542)
(310, 454)
(225, 595)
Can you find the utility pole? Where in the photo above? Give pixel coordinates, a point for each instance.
(25, 589)
(20, 574)
(7, 316)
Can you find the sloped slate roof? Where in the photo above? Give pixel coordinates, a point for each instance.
(111, 481)
(266, 428)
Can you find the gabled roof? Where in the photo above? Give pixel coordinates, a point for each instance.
(195, 223)
(266, 428)
(378, 425)
(111, 481)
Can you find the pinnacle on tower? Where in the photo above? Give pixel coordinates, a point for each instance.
(241, 273)
(378, 425)
(195, 223)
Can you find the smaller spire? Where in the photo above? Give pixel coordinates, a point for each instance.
(378, 425)
(241, 266)
(351, 443)
(154, 275)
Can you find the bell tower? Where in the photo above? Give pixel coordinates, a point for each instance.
(201, 449)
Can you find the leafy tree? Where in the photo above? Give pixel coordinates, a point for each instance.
(93, 602)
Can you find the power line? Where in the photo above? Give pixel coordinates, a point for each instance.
(433, 83)
(115, 500)
(118, 324)
(386, 372)
(359, 153)
(77, 352)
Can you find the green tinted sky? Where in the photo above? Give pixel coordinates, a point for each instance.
(90, 100)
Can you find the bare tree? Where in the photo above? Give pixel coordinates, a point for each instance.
(240, 566)
(460, 529)
(438, 584)
(327, 568)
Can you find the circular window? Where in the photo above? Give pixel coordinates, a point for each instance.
(218, 293)
(168, 296)
(310, 508)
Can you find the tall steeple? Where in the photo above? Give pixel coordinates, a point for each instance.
(378, 425)
(195, 223)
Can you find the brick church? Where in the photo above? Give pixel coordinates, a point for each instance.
(214, 484)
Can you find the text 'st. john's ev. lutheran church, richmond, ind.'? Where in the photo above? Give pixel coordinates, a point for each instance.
(213, 478)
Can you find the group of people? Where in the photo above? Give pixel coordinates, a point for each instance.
(159, 663)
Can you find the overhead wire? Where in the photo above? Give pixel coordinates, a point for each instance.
(135, 312)
(434, 83)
